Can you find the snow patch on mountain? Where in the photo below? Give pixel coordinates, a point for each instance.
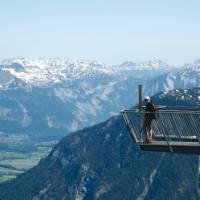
(26, 119)
(65, 94)
(73, 126)
(96, 103)
(169, 84)
(183, 95)
(86, 107)
(45, 71)
(49, 121)
(107, 90)
(148, 65)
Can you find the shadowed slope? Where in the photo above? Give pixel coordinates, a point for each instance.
(101, 162)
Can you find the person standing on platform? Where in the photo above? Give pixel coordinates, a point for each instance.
(149, 116)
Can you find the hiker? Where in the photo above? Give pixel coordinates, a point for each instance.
(148, 117)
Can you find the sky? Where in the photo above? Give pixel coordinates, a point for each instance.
(109, 31)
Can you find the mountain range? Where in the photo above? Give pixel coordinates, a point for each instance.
(101, 162)
(59, 96)
(43, 100)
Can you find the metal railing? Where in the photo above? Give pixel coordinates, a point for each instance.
(169, 125)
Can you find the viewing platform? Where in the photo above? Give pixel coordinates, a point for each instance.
(175, 131)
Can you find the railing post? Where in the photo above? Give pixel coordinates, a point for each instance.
(166, 136)
(194, 130)
(174, 125)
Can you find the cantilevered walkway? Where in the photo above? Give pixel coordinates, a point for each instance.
(175, 131)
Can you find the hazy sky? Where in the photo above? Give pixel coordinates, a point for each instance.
(110, 31)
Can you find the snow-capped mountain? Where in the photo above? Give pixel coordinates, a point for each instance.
(184, 97)
(145, 70)
(148, 65)
(63, 95)
(45, 71)
(57, 95)
(48, 71)
(186, 77)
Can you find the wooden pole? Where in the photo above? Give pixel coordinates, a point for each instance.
(140, 97)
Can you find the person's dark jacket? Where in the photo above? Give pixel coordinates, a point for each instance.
(150, 112)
